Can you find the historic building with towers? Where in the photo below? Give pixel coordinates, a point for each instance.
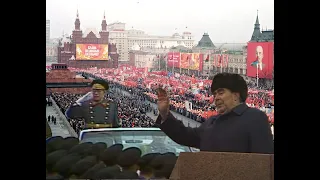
(260, 35)
(67, 46)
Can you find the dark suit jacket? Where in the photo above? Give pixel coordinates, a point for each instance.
(106, 112)
(243, 130)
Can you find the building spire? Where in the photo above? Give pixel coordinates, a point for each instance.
(77, 22)
(256, 32)
(257, 20)
(77, 14)
(104, 22)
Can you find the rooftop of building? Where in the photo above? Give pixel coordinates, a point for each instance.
(259, 35)
(205, 42)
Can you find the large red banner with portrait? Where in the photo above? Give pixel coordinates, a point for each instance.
(192, 61)
(196, 62)
(185, 60)
(260, 59)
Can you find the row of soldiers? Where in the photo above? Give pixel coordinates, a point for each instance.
(66, 158)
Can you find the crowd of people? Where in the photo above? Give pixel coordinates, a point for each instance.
(199, 106)
(66, 158)
(132, 109)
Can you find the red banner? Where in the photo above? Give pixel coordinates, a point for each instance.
(214, 60)
(185, 60)
(218, 60)
(192, 61)
(225, 58)
(195, 61)
(92, 51)
(201, 62)
(173, 59)
(260, 59)
(206, 57)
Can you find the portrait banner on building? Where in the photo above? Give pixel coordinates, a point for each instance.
(195, 61)
(185, 60)
(260, 59)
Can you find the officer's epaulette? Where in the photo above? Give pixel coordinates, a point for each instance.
(109, 100)
(106, 102)
(75, 104)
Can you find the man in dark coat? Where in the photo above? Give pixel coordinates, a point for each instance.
(48, 130)
(236, 128)
(94, 108)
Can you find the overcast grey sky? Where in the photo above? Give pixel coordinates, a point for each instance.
(225, 20)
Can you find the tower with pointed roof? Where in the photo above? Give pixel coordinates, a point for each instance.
(260, 35)
(67, 50)
(103, 33)
(256, 31)
(77, 32)
(77, 22)
(205, 42)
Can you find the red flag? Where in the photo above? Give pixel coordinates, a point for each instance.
(220, 60)
(207, 58)
(226, 61)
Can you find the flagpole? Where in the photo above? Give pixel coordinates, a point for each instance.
(172, 62)
(221, 62)
(188, 65)
(210, 63)
(167, 64)
(172, 58)
(199, 63)
(159, 61)
(257, 75)
(180, 62)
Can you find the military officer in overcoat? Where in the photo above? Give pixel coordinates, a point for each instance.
(94, 108)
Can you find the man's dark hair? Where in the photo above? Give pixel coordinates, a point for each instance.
(233, 82)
